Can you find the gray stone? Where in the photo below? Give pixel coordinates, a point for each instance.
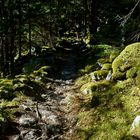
(26, 120)
(93, 77)
(135, 127)
(136, 123)
(31, 135)
(18, 137)
(109, 75)
(25, 107)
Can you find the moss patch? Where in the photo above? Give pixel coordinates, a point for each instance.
(83, 80)
(100, 74)
(103, 60)
(114, 54)
(131, 73)
(107, 66)
(129, 57)
(112, 112)
(89, 88)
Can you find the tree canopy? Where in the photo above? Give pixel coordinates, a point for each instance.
(25, 25)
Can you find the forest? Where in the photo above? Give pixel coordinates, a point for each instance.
(69, 70)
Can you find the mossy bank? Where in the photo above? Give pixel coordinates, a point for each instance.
(113, 103)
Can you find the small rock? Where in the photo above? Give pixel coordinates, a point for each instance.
(18, 113)
(32, 135)
(18, 137)
(135, 127)
(23, 133)
(29, 102)
(26, 120)
(17, 99)
(93, 77)
(136, 123)
(109, 75)
(26, 108)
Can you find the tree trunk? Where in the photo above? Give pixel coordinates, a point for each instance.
(29, 27)
(19, 26)
(12, 39)
(93, 17)
(2, 39)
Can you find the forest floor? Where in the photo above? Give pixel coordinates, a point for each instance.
(54, 118)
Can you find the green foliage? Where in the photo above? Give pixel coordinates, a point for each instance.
(101, 50)
(103, 60)
(87, 69)
(2, 116)
(6, 89)
(33, 64)
(29, 85)
(42, 72)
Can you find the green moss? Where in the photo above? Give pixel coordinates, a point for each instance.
(136, 132)
(6, 89)
(83, 80)
(138, 80)
(122, 85)
(29, 85)
(5, 103)
(113, 114)
(107, 66)
(129, 57)
(100, 74)
(87, 69)
(131, 72)
(89, 88)
(103, 60)
(113, 55)
(125, 67)
(42, 71)
(102, 50)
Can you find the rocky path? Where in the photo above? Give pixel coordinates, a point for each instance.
(53, 118)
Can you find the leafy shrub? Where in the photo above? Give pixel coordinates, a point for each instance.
(6, 89)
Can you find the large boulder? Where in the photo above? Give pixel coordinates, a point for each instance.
(128, 58)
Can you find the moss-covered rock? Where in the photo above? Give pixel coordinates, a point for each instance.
(112, 112)
(129, 57)
(100, 74)
(83, 80)
(123, 85)
(107, 66)
(135, 127)
(131, 73)
(87, 69)
(113, 55)
(103, 60)
(89, 88)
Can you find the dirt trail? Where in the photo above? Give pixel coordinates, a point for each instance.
(54, 118)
